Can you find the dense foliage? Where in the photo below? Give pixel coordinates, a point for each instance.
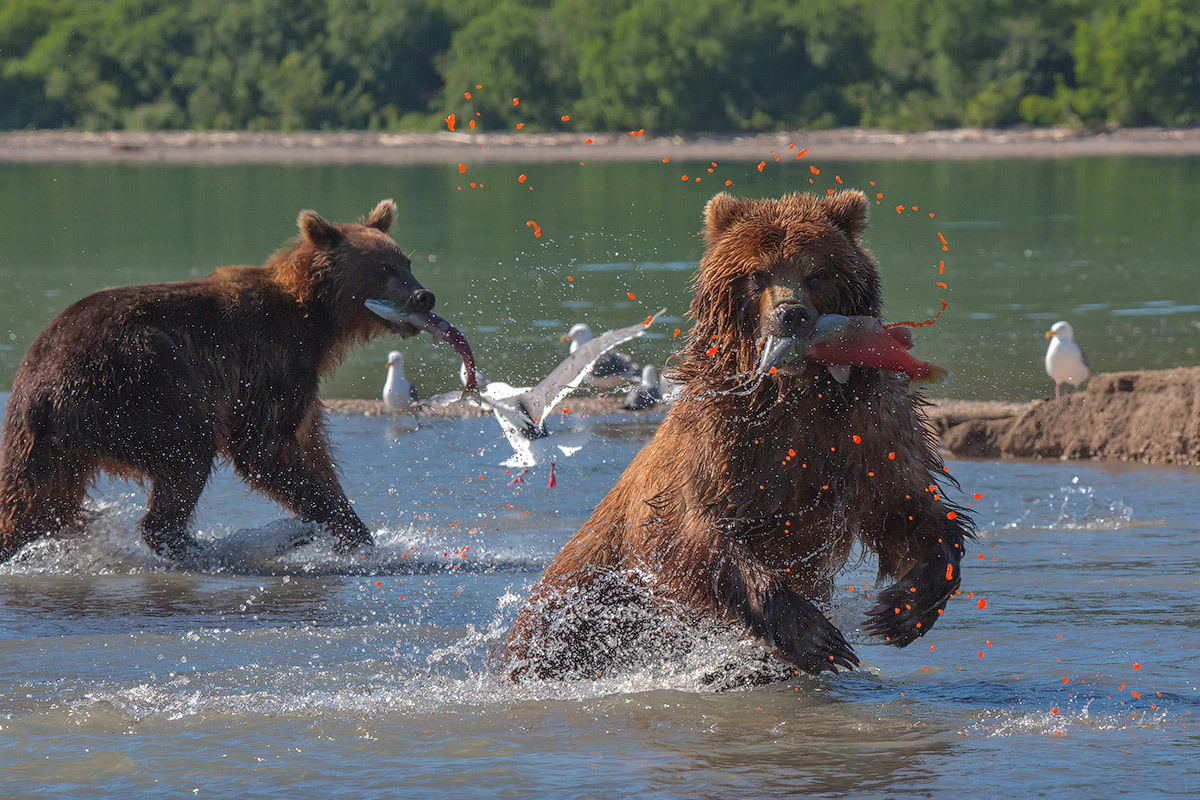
(698, 65)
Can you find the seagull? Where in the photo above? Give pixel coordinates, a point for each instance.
(398, 393)
(1065, 360)
(646, 394)
(609, 371)
(522, 412)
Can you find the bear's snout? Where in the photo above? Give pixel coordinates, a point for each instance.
(796, 320)
(421, 301)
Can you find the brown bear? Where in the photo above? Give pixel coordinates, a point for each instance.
(154, 382)
(748, 499)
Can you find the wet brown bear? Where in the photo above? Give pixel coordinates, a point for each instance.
(156, 381)
(747, 500)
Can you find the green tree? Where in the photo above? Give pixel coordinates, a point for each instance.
(1141, 65)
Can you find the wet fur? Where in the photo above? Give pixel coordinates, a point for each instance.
(154, 382)
(716, 511)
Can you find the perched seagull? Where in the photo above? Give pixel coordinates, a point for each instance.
(398, 393)
(611, 369)
(522, 413)
(1065, 360)
(646, 394)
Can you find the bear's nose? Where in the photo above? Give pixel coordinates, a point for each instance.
(793, 318)
(422, 301)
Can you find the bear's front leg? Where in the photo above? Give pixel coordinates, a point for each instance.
(933, 538)
(748, 590)
(305, 484)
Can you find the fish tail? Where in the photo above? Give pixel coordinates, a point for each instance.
(935, 374)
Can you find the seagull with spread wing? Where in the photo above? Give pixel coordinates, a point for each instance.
(611, 369)
(522, 413)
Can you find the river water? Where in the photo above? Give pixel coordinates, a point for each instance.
(261, 670)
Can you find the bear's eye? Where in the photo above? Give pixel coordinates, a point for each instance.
(813, 283)
(759, 279)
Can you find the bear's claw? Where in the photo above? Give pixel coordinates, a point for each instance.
(812, 642)
(903, 615)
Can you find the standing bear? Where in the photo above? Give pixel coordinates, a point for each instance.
(154, 382)
(748, 499)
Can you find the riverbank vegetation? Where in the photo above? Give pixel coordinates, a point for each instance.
(661, 65)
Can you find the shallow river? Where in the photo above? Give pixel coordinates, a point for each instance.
(252, 674)
(263, 671)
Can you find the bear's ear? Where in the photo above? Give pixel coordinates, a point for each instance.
(320, 234)
(848, 210)
(719, 214)
(382, 216)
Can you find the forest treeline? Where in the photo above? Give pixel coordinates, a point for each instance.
(662, 65)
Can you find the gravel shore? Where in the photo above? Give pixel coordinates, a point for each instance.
(1149, 417)
(358, 147)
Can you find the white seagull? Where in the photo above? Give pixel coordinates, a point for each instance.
(1065, 360)
(611, 369)
(522, 412)
(398, 393)
(646, 394)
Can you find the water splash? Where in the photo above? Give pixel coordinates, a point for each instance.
(111, 544)
(1071, 507)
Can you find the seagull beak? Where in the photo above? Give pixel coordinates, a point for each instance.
(1049, 334)
(564, 338)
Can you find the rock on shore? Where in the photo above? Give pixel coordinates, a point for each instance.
(1151, 417)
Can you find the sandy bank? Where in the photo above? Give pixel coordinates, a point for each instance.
(1150, 417)
(446, 147)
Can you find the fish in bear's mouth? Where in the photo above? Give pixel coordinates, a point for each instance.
(839, 342)
(404, 320)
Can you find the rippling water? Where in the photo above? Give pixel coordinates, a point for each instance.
(1108, 243)
(264, 671)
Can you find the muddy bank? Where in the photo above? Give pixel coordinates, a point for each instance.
(445, 147)
(1150, 417)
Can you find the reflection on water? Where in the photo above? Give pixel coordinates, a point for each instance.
(1109, 243)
